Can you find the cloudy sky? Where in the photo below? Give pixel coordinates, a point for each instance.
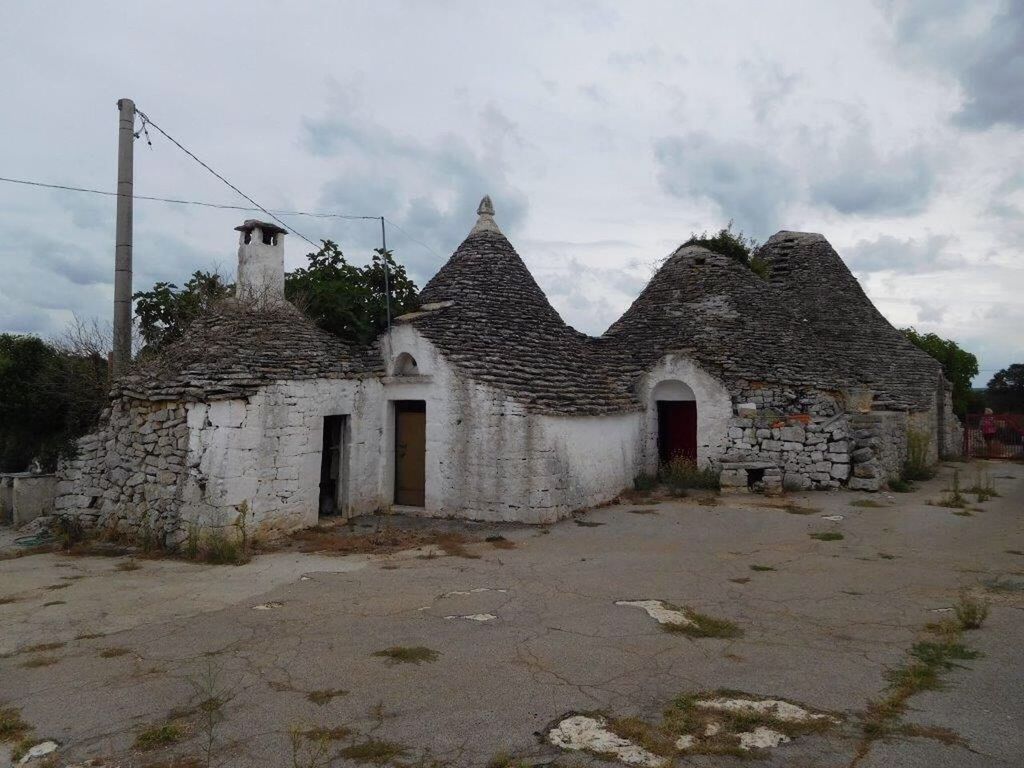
(605, 132)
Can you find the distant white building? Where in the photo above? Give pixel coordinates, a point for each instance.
(484, 404)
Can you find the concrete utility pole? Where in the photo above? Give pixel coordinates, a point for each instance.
(123, 238)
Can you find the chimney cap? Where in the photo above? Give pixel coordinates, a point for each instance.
(250, 224)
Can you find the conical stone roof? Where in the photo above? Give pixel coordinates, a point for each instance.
(714, 309)
(812, 279)
(236, 347)
(498, 326)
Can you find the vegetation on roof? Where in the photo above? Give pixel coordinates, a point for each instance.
(959, 366)
(735, 245)
(341, 298)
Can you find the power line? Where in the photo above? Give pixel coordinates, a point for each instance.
(147, 121)
(318, 215)
(413, 239)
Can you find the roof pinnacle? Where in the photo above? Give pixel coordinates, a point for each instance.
(485, 217)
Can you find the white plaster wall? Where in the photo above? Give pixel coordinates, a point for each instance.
(596, 457)
(714, 409)
(266, 452)
(488, 458)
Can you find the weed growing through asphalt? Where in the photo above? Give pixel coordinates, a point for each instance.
(12, 727)
(899, 485)
(113, 653)
(940, 650)
(953, 499)
(373, 751)
(129, 565)
(826, 536)
(762, 568)
(795, 509)
(41, 647)
(886, 556)
(159, 736)
(505, 760)
(1015, 552)
(741, 580)
(325, 696)
(401, 654)
(500, 542)
(703, 626)
(711, 731)
(40, 661)
(984, 488)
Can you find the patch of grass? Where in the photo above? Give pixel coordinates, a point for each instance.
(704, 626)
(944, 735)
(742, 580)
(900, 485)
(644, 483)
(916, 466)
(159, 736)
(587, 523)
(762, 568)
(1003, 585)
(339, 540)
(500, 542)
(953, 499)
(55, 587)
(505, 760)
(963, 513)
(113, 653)
(55, 602)
(655, 740)
(983, 486)
(319, 733)
(374, 751)
(325, 696)
(401, 654)
(929, 658)
(942, 653)
(41, 647)
(89, 635)
(640, 512)
(796, 509)
(685, 717)
(681, 474)
(886, 556)
(868, 504)
(1014, 552)
(970, 612)
(827, 536)
(218, 548)
(9, 600)
(12, 727)
(40, 661)
(128, 565)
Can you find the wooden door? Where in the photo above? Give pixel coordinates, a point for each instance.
(677, 430)
(410, 452)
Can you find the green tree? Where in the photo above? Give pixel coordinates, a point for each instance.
(49, 395)
(350, 301)
(165, 311)
(959, 366)
(341, 298)
(1006, 389)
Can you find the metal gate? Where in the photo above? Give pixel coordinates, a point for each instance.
(994, 436)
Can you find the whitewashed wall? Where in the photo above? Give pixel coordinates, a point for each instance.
(714, 408)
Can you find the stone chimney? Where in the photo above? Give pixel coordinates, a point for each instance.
(260, 261)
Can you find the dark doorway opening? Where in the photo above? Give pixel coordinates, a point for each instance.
(410, 452)
(334, 466)
(677, 430)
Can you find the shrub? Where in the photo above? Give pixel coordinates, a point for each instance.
(681, 473)
(644, 482)
(971, 612)
(917, 466)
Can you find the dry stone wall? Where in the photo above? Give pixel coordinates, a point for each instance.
(129, 475)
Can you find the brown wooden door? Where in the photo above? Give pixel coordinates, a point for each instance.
(677, 430)
(410, 452)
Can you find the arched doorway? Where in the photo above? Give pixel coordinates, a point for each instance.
(677, 421)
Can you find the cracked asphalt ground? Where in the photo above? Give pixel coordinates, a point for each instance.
(821, 630)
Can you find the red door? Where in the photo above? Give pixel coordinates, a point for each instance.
(677, 430)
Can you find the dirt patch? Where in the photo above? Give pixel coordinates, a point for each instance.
(342, 540)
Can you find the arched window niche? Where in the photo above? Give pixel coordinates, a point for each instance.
(672, 390)
(405, 365)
